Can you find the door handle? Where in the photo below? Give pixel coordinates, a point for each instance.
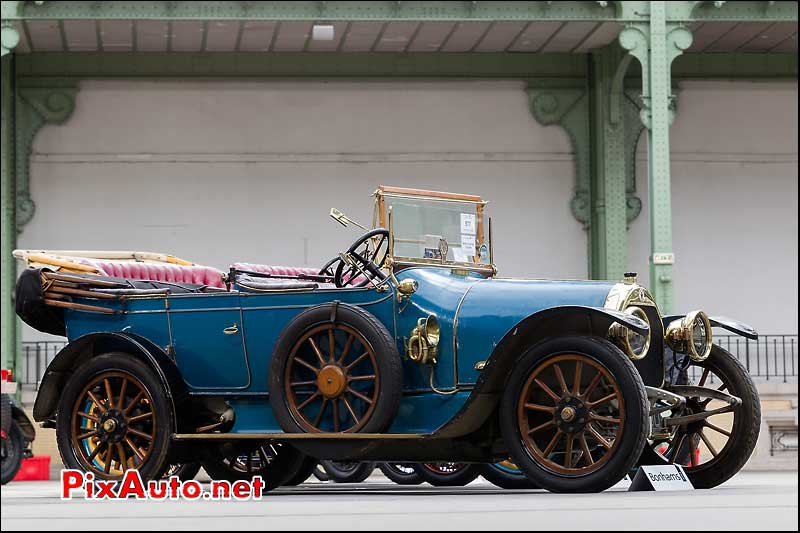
(231, 330)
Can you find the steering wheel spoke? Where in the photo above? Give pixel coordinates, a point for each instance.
(365, 254)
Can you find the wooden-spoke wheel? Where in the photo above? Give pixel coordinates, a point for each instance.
(252, 462)
(332, 379)
(697, 443)
(713, 447)
(571, 414)
(448, 474)
(113, 424)
(445, 468)
(275, 463)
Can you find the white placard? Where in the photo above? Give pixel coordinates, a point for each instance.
(460, 255)
(468, 243)
(468, 223)
(661, 478)
(663, 259)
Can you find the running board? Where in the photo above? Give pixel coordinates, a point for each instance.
(299, 436)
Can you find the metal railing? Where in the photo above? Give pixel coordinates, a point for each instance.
(770, 358)
(35, 358)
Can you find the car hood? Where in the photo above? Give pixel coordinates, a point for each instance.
(481, 311)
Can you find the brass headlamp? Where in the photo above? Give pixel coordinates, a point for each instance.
(422, 346)
(690, 335)
(635, 345)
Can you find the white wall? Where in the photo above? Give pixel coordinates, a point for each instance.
(734, 199)
(219, 172)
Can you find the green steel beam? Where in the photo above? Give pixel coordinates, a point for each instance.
(327, 65)
(347, 10)
(656, 44)
(735, 66)
(608, 169)
(620, 11)
(8, 232)
(467, 65)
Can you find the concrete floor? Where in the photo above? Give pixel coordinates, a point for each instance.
(758, 501)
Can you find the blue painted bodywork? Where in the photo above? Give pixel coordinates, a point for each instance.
(474, 314)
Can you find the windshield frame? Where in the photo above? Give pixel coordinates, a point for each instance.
(382, 218)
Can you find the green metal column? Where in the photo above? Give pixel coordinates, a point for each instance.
(8, 232)
(656, 44)
(608, 244)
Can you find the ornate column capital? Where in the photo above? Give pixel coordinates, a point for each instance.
(36, 107)
(568, 107)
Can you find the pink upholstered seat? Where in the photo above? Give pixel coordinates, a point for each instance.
(276, 270)
(199, 275)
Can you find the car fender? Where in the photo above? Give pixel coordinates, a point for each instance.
(93, 344)
(535, 328)
(732, 325)
(19, 416)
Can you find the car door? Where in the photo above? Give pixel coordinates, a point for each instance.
(208, 340)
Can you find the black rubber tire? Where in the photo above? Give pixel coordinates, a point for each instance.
(5, 412)
(13, 449)
(400, 477)
(388, 359)
(157, 460)
(635, 429)
(320, 473)
(305, 471)
(287, 463)
(346, 472)
(504, 479)
(464, 475)
(183, 471)
(745, 429)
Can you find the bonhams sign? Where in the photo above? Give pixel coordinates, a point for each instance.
(665, 477)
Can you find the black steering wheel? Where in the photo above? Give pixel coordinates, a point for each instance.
(329, 269)
(369, 254)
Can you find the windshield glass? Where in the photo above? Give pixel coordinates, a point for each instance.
(433, 228)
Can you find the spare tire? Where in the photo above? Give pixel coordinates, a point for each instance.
(335, 368)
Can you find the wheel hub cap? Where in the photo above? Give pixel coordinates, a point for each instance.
(571, 414)
(331, 381)
(113, 426)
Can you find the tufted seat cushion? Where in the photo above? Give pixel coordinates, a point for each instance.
(199, 275)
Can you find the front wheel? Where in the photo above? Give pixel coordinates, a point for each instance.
(13, 448)
(574, 414)
(447, 474)
(506, 475)
(715, 448)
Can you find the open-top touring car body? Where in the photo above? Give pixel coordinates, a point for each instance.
(405, 347)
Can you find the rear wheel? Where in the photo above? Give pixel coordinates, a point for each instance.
(348, 472)
(13, 446)
(114, 415)
(401, 473)
(448, 474)
(713, 449)
(574, 414)
(506, 475)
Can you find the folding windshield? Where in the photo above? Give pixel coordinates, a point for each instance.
(434, 227)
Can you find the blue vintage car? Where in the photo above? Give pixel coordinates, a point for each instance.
(407, 346)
